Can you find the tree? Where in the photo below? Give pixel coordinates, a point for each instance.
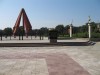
(44, 31)
(8, 32)
(36, 32)
(75, 30)
(20, 31)
(66, 28)
(60, 29)
(94, 27)
(1, 33)
(83, 28)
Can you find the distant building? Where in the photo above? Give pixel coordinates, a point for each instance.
(98, 26)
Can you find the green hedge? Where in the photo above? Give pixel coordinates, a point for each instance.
(95, 35)
(81, 35)
(63, 35)
(85, 35)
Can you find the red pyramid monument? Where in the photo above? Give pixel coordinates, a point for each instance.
(26, 23)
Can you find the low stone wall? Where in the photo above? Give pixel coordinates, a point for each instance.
(95, 39)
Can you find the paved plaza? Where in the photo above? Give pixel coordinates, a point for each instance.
(57, 60)
(36, 40)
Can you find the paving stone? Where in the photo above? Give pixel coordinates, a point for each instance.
(14, 60)
(23, 67)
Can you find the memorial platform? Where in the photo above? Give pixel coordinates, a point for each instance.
(43, 43)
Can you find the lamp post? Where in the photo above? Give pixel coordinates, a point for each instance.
(89, 27)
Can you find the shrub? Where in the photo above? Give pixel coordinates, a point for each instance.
(95, 35)
(81, 35)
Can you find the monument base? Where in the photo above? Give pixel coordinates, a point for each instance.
(53, 40)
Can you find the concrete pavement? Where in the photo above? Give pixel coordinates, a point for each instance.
(82, 60)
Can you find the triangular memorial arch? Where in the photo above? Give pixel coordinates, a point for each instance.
(26, 23)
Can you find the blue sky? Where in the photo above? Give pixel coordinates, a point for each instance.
(49, 13)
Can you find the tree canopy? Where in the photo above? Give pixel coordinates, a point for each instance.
(62, 30)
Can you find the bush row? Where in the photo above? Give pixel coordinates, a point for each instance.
(82, 35)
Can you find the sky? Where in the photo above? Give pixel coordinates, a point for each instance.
(49, 13)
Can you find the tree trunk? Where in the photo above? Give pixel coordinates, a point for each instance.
(1, 37)
(40, 37)
(22, 36)
(19, 37)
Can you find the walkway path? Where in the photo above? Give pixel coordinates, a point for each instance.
(70, 60)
